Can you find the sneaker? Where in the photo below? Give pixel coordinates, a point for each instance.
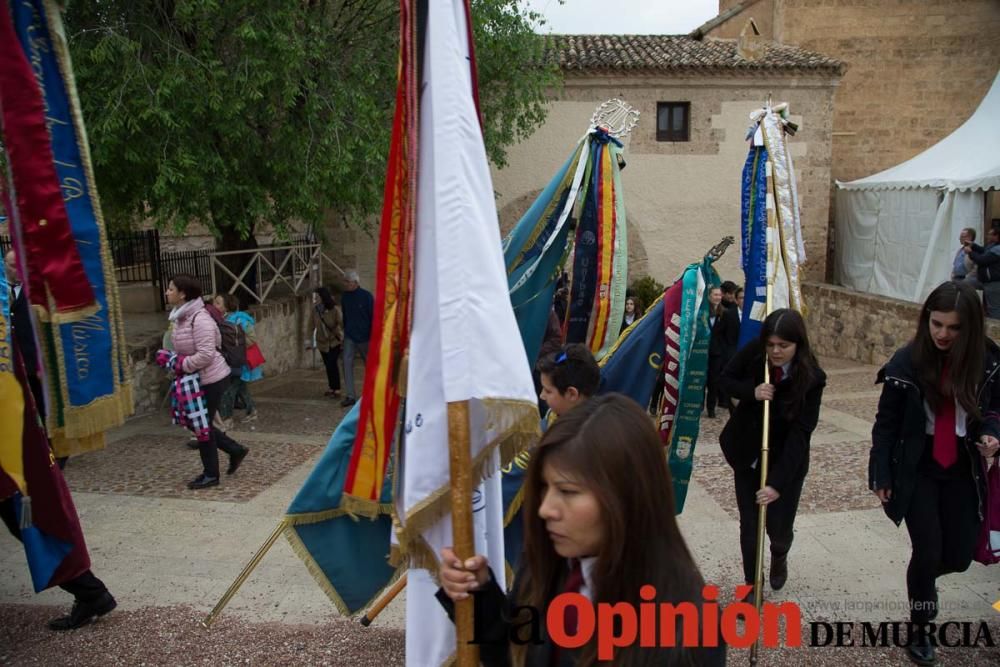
(251, 417)
(203, 482)
(84, 612)
(235, 460)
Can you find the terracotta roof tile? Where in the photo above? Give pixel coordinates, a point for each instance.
(677, 53)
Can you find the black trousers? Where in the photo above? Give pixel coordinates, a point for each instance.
(713, 391)
(217, 440)
(780, 519)
(84, 588)
(330, 360)
(943, 523)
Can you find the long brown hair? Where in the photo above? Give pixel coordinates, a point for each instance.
(965, 369)
(609, 444)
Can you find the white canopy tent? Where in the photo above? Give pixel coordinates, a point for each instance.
(897, 231)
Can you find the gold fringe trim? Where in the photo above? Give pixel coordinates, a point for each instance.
(521, 434)
(316, 517)
(317, 573)
(369, 509)
(98, 416)
(61, 317)
(62, 446)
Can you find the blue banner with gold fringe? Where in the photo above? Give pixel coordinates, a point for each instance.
(86, 361)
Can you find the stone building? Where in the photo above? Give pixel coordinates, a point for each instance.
(685, 156)
(916, 69)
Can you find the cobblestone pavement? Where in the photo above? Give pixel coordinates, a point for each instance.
(168, 554)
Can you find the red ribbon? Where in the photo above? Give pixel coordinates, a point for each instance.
(51, 255)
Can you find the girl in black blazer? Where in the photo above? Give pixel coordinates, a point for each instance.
(598, 520)
(937, 419)
(795, 392)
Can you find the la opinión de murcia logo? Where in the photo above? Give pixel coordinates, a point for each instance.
(737, 625)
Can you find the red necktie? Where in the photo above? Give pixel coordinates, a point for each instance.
(776, 375)
(945, 443)
(574, 582)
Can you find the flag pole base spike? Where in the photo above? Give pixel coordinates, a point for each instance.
(244, 575)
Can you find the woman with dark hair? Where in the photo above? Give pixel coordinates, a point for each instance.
(328, 324)
(633, 311)
(197, 340)
(599, 520)
(937, 418)
(795, 391)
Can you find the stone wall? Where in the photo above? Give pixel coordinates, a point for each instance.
(862, 327)
(282, 328)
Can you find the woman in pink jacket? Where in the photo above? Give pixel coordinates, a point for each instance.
(196, 337)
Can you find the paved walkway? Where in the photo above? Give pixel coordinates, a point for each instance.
(158, 544)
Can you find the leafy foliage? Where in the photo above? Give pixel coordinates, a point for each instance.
(244, 112)
(646, 289)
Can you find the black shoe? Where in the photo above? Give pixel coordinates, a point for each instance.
(347, 402)
(203, 482)
(711, 414)
(235, 460)
(779, 572)
(193, 444)
(921, 651)
(84, 612)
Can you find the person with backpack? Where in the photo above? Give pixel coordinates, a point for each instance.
(229, 306)
(198, 342)
(328, 329)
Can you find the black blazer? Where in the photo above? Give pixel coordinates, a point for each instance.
(789, 438)
(725, 334)
(899, 438)
(492, 609)
(20, 319)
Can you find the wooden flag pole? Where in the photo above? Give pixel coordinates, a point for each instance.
(383, 601)
(460, 462)
(772, 257)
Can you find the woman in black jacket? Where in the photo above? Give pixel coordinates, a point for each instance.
(599, 521)
(937, 417)
(795, 392)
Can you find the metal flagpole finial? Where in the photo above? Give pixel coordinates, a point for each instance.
(719, 249)
(616, 116)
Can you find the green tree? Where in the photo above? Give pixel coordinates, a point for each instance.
(242, 112)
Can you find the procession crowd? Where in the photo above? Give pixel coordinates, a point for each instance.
(598, 512)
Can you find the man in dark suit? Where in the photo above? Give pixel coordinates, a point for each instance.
(24, 339)
(726, 333)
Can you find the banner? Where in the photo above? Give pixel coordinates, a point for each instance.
(695, 334)
(29, 477)
(57, 275)
(347, 555)
(768, 187)
(86, 361)
(391, 323)
(464, 343)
